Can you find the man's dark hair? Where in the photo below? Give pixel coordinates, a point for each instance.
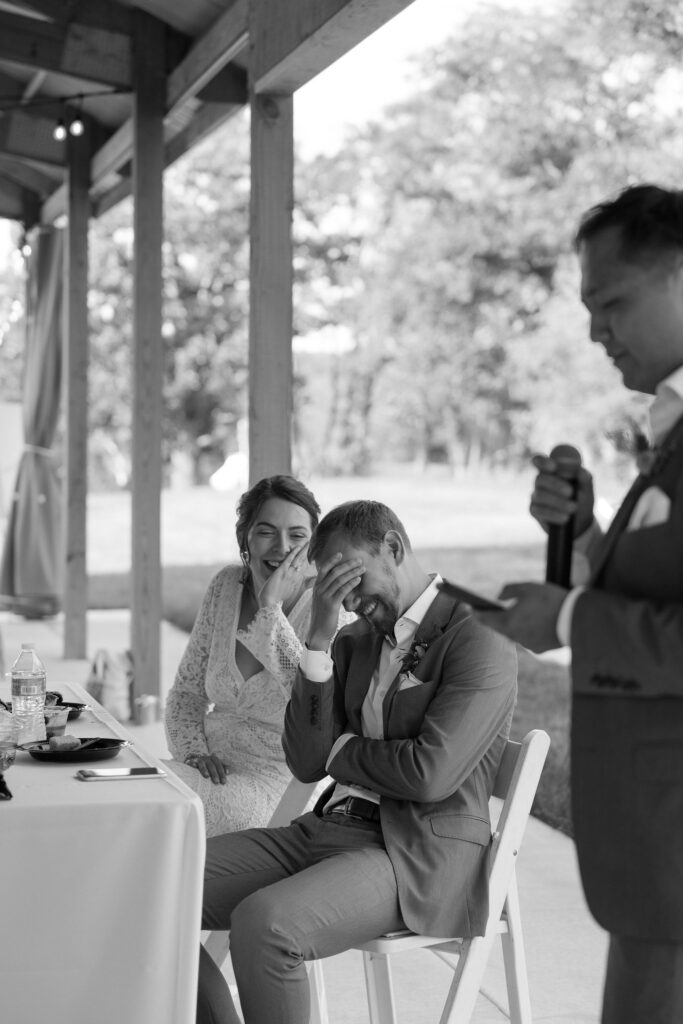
(284, 487)
(650, 219)
(365, 523)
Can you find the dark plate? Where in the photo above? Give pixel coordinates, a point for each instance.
(103, 750)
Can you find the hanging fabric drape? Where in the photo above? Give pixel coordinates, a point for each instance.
(32, 559)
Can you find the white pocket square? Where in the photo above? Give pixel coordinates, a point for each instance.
(653, 507)
(406, 680)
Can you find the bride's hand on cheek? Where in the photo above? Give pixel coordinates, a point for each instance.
(289, 579)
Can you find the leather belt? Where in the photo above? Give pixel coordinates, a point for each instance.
(356, 807)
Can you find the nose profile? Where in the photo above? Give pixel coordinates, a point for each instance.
(351, 601)
(598, 331)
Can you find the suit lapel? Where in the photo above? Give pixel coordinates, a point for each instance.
(428, 632)
(625, 510)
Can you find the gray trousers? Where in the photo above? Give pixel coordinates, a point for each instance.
(304, 892)
(643, 982)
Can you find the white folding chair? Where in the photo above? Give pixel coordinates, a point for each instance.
(293, 802)
(515, 786)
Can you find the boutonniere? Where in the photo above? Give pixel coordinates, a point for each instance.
(417, 650)
(643, 452)
(652, 460)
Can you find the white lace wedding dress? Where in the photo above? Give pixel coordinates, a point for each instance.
(212, 708)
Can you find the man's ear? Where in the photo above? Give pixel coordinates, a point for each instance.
(394, 541)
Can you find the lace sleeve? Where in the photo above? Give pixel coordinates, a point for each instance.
(277, 641)
(188, 702)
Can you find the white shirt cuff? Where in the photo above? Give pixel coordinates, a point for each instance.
(563, 626)
(316, 665)
(336, 747)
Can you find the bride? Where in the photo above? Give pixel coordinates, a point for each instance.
(225, 711)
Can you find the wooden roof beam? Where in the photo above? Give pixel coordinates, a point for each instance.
(31, 137)
(18, 202)
(93, 54)
(299, 39)
(114, 17)
(21, 173)
(226, 38)
(206, 120)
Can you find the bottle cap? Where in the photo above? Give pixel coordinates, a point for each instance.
(28, 647)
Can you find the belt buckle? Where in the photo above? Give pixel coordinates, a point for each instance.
(348, 805)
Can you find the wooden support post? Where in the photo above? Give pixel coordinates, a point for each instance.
(75, 396)
(270, 318)
(148, 163)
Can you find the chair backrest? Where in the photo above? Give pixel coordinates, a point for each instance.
(513, 794)
(295, 800)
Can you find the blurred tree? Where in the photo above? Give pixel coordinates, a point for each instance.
(204, 312)
(12, 324)
(466, 346)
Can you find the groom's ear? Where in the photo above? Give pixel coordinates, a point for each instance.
(396, 545)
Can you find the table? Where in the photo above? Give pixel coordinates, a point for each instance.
(100, 902)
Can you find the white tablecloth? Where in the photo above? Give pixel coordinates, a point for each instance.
(100, 890)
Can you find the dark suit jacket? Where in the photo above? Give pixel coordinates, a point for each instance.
(434, 770)
(627, 729)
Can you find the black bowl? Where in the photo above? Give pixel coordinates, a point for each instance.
(75, 709)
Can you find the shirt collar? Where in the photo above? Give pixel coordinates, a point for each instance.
(406, 625)
(667, 406)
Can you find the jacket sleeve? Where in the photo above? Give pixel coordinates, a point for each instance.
(626, 648)
(311, 727)
(472, 703)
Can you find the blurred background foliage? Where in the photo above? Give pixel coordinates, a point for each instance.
(437, 316)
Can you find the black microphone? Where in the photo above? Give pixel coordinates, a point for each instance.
(561, 537)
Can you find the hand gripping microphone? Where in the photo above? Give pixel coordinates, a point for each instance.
(561, 537)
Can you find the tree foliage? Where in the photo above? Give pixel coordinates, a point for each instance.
(436, 288)
(475, 187)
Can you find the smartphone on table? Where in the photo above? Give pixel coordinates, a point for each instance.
(106, 774)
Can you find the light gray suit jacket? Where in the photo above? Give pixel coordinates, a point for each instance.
(434, 770)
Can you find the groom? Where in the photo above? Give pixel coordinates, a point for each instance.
(409, 715)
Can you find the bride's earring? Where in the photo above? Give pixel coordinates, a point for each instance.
(244, 555)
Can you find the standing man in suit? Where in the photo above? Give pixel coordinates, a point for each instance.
(625, 628)
(409, 716)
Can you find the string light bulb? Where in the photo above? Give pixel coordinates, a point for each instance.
(59, 132)
(76, 127)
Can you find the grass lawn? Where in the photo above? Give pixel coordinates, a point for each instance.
(476, 532)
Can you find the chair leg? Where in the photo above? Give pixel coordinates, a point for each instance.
(217, 945)
(316, 981)
(515, 960)
(466, 984)
(379, 988)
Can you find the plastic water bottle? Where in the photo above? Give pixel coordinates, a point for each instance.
(29, 684)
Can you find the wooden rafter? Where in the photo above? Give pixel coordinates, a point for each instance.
(84, 52)
(227, 38)
(30, 136)
(95, 13)
(297, 42)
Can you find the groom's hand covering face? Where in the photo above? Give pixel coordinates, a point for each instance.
(364, 579)
(337, 577)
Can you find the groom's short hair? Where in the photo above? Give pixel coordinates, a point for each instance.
(365, 523)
